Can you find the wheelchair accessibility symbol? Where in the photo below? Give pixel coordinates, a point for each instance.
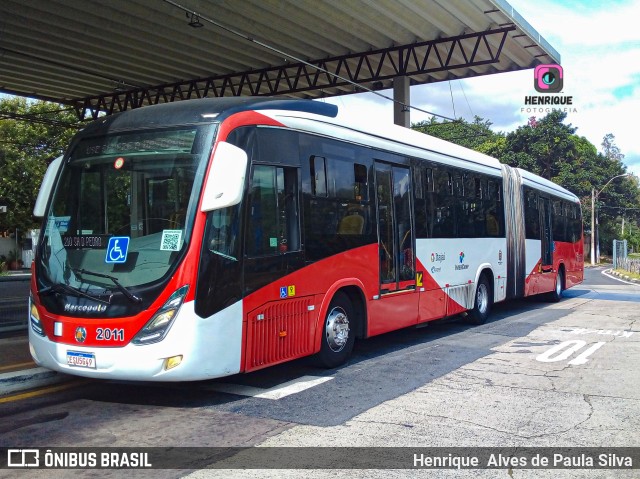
(117, 249)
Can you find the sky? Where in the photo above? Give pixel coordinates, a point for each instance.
(599, 46)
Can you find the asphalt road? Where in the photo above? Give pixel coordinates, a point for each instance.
(537, 374)
(14, 297)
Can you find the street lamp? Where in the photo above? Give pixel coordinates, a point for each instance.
(594, 225)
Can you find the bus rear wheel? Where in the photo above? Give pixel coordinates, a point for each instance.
(337, 334)
(556, 294)
(482, 304)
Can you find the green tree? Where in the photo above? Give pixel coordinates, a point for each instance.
(551, 149)
(470, 135)
(495, 147)
(632, 235)
(620, 197)
(32, 133)
(610, 149)
(543, 146)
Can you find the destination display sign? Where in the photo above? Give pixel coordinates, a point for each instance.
(177, 141)
(85, 241)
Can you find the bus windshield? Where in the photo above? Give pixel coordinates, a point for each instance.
(122, 209)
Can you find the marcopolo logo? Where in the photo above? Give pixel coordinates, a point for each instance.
(75, 308)
(548, 78)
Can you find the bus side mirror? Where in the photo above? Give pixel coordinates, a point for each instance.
(46, 188)
(225, 183)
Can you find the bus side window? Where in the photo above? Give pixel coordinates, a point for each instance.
(441, 213)
(558, 221)
(222, 232)
(531, 215)
(273, 226)
(360, 188)
(429, 180)
(317, 167)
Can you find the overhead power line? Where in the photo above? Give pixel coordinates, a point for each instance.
(300, 60)
(34, 118)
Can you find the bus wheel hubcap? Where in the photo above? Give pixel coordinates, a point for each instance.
(482, 298)
(337, 329)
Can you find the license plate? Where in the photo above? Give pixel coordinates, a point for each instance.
(81, 360)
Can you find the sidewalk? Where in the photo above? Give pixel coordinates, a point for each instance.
(16, 275)
(18, 372)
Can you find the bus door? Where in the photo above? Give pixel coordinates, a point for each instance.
(546, 237)
(396, 232)
(279, 318)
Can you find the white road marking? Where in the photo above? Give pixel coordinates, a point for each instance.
(277, 392)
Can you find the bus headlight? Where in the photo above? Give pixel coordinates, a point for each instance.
(158, 326)
(34, 318)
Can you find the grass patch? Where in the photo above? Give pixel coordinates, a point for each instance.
(627, 273)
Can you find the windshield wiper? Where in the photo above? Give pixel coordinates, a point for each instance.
(130, 296)
(226, 256)
(63, 288)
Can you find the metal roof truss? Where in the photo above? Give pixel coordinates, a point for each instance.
(368, 68)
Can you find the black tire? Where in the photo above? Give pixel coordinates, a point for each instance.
(482, 302)
(556, 295)
(338, 333)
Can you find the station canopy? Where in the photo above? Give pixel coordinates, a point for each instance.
(108, 56)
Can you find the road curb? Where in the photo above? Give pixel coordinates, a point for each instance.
(18, 381)
(624, 276)
(15, 277)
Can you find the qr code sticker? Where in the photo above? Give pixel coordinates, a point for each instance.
(171, 240)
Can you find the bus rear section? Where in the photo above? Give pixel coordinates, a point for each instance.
(554, 238)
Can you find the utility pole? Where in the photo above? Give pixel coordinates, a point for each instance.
(594, 224)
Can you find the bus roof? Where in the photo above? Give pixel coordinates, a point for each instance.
(204, 110)
(412, 143)
(531, 179)
(390, 137)
(317, 117)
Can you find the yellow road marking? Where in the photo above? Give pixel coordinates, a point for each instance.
(17, 366)
(41, 392)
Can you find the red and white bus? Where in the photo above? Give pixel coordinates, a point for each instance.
(204, 238)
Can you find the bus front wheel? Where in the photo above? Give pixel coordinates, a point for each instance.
(337, 334)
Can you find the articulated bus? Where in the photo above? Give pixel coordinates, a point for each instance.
(205, 238)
